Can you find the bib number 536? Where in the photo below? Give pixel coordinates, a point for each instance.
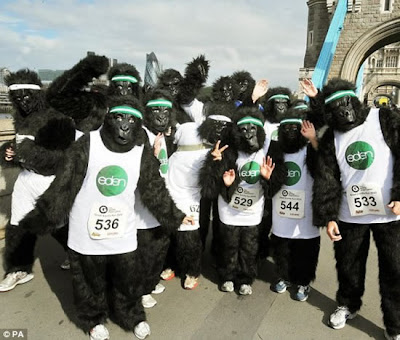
(106, 224)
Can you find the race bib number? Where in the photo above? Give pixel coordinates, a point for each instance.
(244, 199)
(290, 203)
(365, 199)
(106, 221)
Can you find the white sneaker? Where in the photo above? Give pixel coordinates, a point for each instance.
(99, 332)
(227, 286)
(158, 289)
(338, 318)
(148, 301)
(191, 282)
(13, 279)
(167, 274)
(142, 329)
(245, 290)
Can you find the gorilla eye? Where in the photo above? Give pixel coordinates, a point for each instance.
(131, 120)
(118, 117)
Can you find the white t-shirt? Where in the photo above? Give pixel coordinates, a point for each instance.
(102, 219)
(366, 168)
(291, 206)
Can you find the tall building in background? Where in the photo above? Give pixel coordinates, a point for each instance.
(152, 70)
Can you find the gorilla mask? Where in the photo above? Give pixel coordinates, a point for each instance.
(281, 104)
(289, 135)
(248, 127)
(123, 84)
(214, 128)
(159, 112)
(342, 111)
(121, 127)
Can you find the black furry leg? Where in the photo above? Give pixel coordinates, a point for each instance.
(188, 252)
(280, 248)
(248, 254)
(61, 236)
(89, 288)
(265, 229)
(126, 290)
(351, 256)
(170, 257)
(19, 249)
(228, 251)
(204, 220)
(152, 250)
(215, 228)
(387, 240)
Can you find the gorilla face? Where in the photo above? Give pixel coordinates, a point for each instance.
(212, 130)
(343, 113)
(291, 138)
(243, 85)
(120, 127)
(26, 101)
(173, 86)
(160, 117)
(248, 134)
(122, 88)
(280, 106)
(227, 92)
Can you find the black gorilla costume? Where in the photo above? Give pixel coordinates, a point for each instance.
(276, 102)
(357, 175)
(153, 240)
(295, 241)
(107, 274)
(241, 204)
(124, 80)
(245, 83)
(42, 135)
(71, 95)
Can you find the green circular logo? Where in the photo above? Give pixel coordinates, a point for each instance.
(250, 172)
(274, 135)
(111, 180)
(163, 159)
(360, 155)
(293, 173)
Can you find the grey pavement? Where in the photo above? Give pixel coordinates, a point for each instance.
(44, 306)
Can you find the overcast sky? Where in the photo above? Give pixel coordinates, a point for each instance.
(265, 37)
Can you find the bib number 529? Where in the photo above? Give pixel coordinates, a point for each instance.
(245, 202)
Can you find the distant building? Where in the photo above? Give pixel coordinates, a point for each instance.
(3, 73)
(47, 75)
(152, 70)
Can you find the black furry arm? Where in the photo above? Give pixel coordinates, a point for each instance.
(45, 153)
(211, 173)
(278, 176)
(327, 188)
(65, 93)
(316, 115)
(53, 207)
(390, 125)
(154, 193)
(196, 74)
(311, 159)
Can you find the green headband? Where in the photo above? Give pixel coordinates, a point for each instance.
(301, 107)
(159, 102)
(339, 94)
(131, 79)
(291, 121)
(128, 110)
(279, 96)
(252, 120)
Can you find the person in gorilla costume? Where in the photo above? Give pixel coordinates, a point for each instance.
(42, 135)
(356, 192)
(71, 94)
(295, 241)
(153, 241)
(102, 171)
(245, 83)
(239, 177)
(124, 80)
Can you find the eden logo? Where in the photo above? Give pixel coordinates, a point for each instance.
(250, 172)
(360, 155)
(111, 180)
(293, 173)
(163, 159)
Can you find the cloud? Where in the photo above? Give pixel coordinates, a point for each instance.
(260, 36)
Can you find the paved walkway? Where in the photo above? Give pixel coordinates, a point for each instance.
(44, 306)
